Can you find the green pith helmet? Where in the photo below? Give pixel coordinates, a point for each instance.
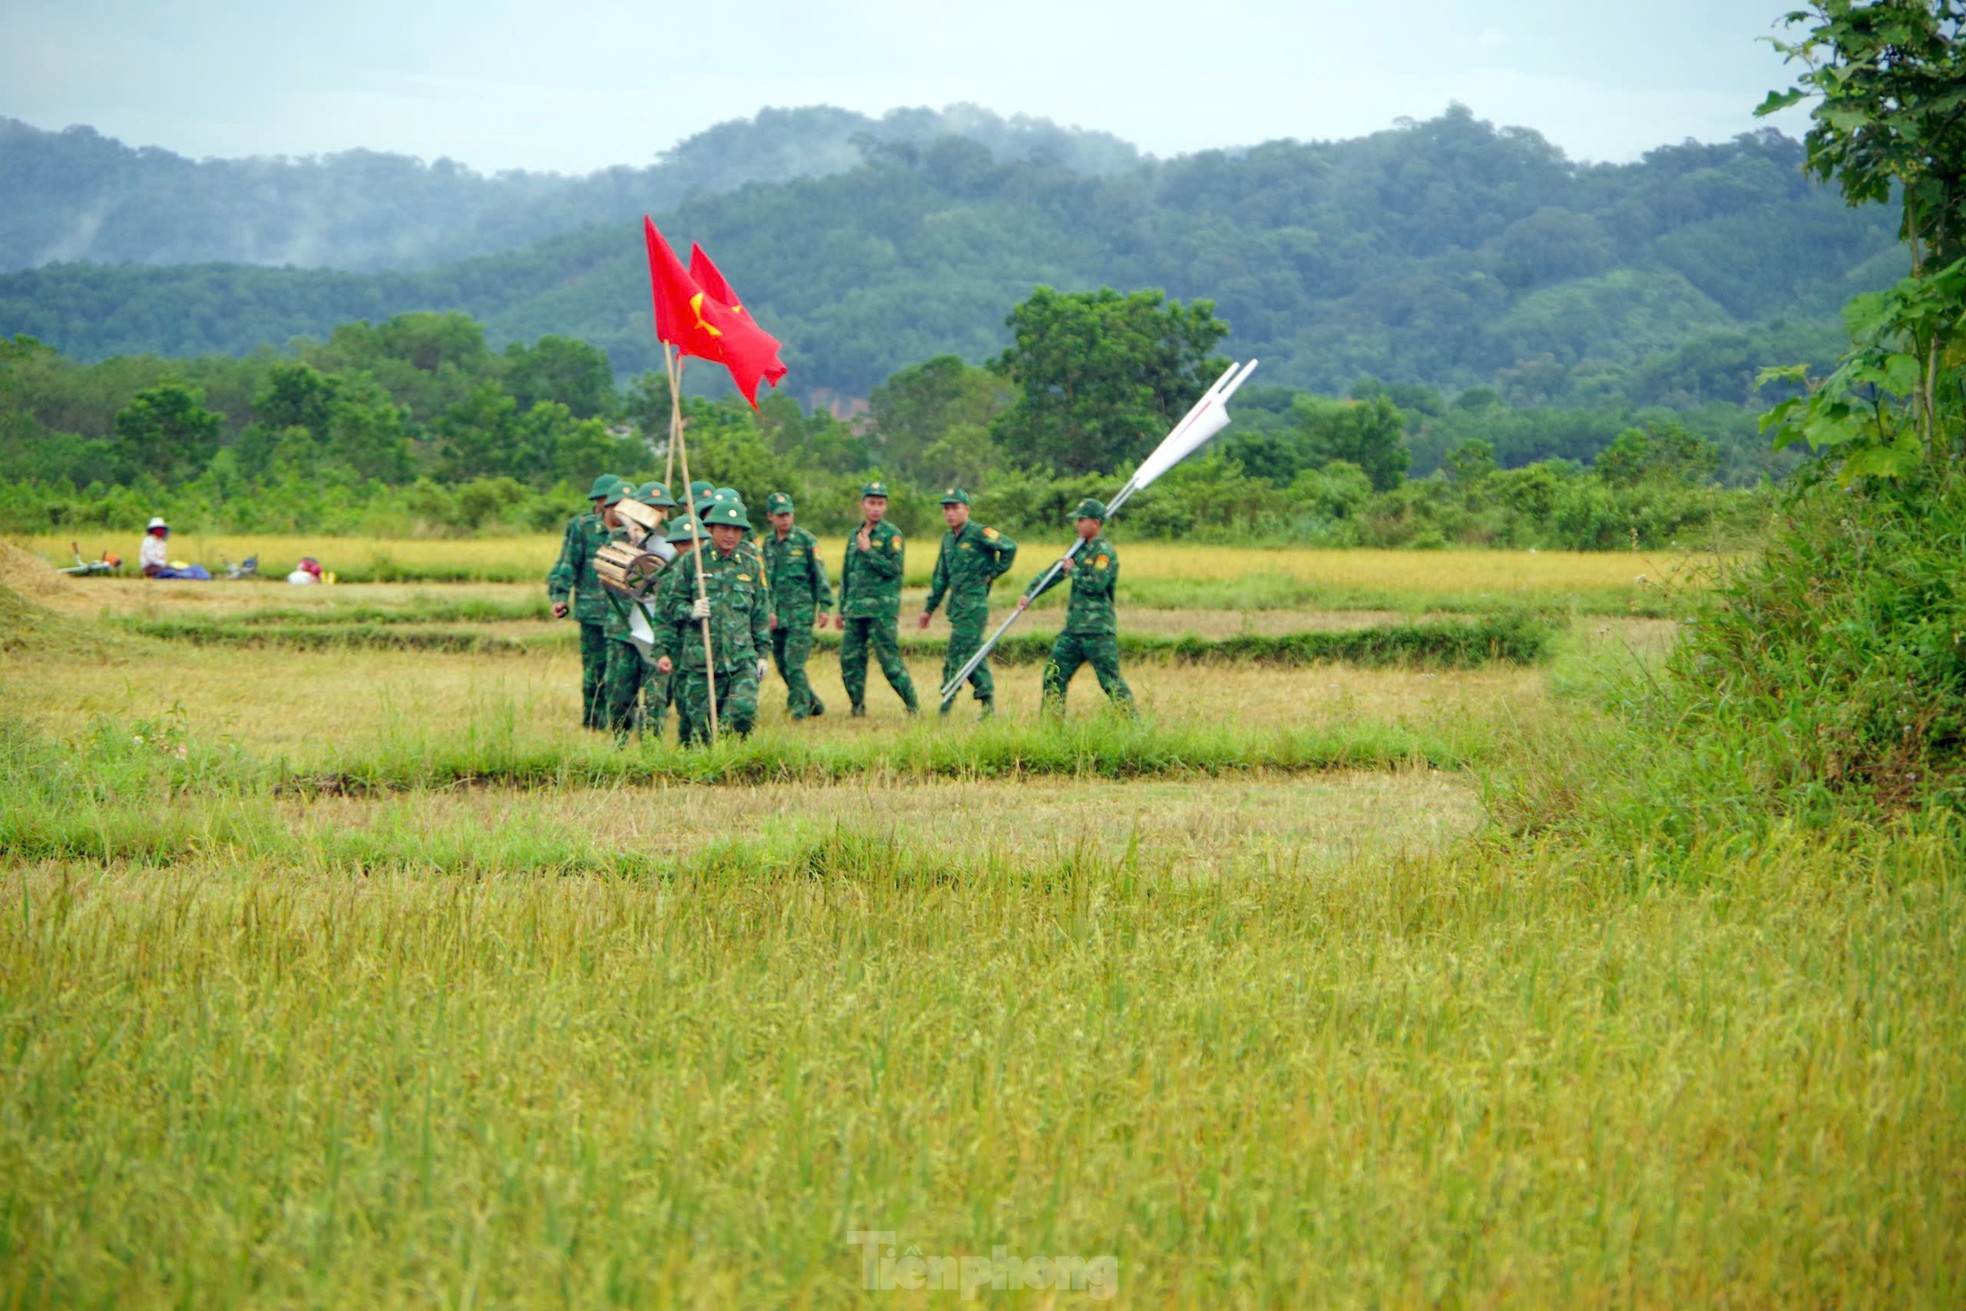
(700, 489)
(778, 503)
(622, 491)
(874, 488)
(653, 493)
(1090, 509)
(684, 528)
(955, 496)
(728, 494)
(727, 512)
(604, 484)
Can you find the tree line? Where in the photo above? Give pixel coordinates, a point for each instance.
(416, 426)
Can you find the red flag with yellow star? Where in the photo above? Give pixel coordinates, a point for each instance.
(698, 323)
(677, 298)
(709, 277)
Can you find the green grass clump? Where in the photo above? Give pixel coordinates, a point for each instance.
(1437, 644)
(419, 610)
(341, 634)
(1106, 748)
(1266, 590)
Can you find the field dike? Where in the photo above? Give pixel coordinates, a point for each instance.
(142, 791)
(1441, 644)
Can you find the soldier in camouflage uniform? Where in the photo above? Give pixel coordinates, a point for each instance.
(870, 603)
(703, 496)
(573, 585)
(801, 596)
(685, 534)
(1090, 634)
(737, 603)
(629, 674)
(972, 558)
(655, 686)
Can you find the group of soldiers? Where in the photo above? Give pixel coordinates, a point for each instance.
(726, 595)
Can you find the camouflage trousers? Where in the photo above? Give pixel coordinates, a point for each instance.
(737, 702)
(791, 646)
(886, 640)
(1102, 652)
(593, 676)
(965, 635)
(627, 676)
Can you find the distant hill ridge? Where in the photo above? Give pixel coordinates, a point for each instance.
(76, 195)
(1447, 252)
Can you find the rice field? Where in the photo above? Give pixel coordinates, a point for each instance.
(363, 976)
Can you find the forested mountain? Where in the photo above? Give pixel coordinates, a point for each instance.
(1446, 252)
(77, 195)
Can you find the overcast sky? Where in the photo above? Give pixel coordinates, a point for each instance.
(573, 86)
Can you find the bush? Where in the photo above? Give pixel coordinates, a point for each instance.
(1822, 682)
(1842, 649)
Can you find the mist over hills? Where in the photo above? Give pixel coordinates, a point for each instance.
(1447, 252)
(76, 195)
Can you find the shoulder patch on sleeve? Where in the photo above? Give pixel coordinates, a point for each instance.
(1101, 561)
(991, 533)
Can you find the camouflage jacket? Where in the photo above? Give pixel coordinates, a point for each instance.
(1095, 574)
(870, 580)
(798, 576)
(573, 573)
(740, 604)
(970, 561)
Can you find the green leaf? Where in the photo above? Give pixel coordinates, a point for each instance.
(1778, 101)
(1900, 374)
(1865, 312)
(1878, 462)
(1796, 373)
(1850, 429)
(1778, 416)
(1844, 118)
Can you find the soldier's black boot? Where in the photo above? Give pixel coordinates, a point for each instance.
(859, 710)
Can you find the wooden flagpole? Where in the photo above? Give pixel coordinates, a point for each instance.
(677, 447)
